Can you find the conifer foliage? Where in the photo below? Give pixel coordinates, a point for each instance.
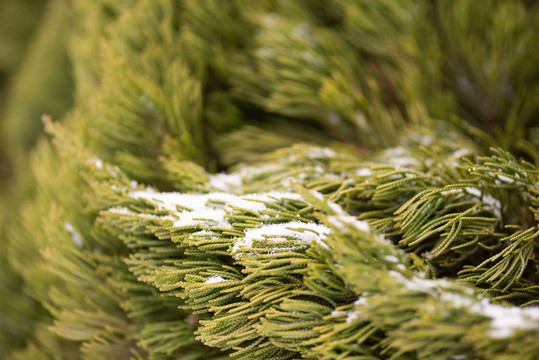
(327, 179)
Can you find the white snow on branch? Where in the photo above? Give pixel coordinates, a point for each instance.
(361, 301)
(225, 182)
(460, 153)
(504, 320)
(360, 120)
(341, 221)
(490, 202)
(364, 172)
(457, 155)
(75, 236)
(352, 316)
(122, 210)
(427, 140)
(419, 284)
(321, 153)
(172, 200)
(255, 202)
(126, 211)
(473, 191)
(209, 217)
(458, 357)
(493, 204)
(391, 259)
(295, 230)
(403, 161)
(97, 162)
(399, 156)
(318, 195)
(252, 171)
(506, 179)
(210, 209)
(215, 279)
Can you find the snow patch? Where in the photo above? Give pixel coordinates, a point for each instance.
(252, 171)
(360, 120)
(451, 191)
(391, 259)
(493, 204)
(364, 172)
(352, 316)
(399, 156)
(215, 279)
(113, 171)
(403, 161)
(172, 200)
(203, 217)
(506, 179)
(255, 202)
(458, 357)
(457, 155)
(318, 195)
(210, 209)
(225, 182)
(121, 210)
(334, 118)
(75, 236)
(321, 153)
(97, 162)
(418, 284)
(361, 301)
(473, 191)
(295, 230)
(460, 153)
(504, 320)
(340, 221)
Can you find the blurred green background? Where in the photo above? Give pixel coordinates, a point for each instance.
(397, 67)
(35, 75)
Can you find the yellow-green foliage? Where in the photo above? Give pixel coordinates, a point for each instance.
(379, 198)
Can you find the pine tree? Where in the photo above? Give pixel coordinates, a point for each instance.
(322, 179)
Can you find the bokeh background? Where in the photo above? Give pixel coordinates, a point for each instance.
(471, 63)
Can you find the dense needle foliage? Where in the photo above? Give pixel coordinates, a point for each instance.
(327, 179)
